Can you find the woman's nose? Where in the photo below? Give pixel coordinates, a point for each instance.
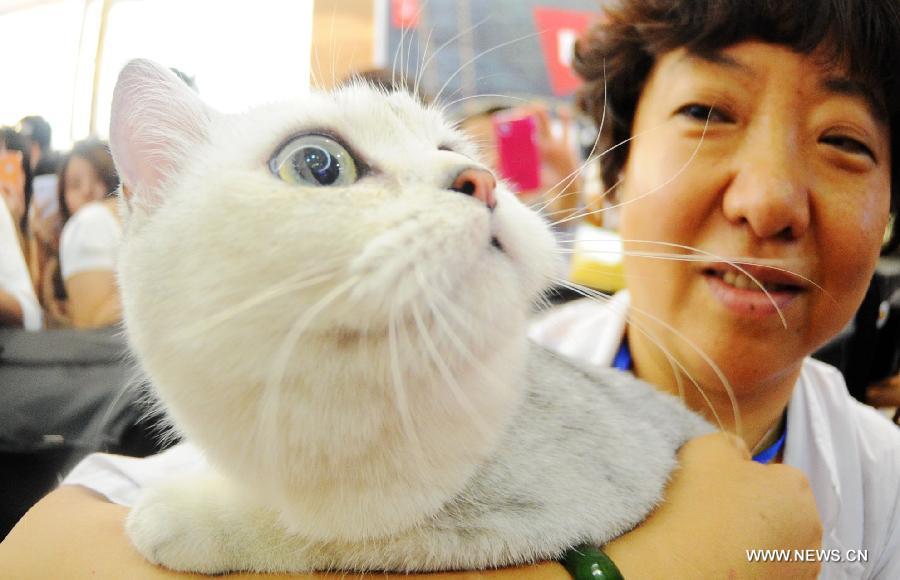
(770, 191)
(479, 183)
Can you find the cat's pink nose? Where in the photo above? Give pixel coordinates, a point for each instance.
(479, 183)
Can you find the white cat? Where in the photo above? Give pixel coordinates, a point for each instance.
(331, 298)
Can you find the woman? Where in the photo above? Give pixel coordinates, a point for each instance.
(755, 149)
(761, 138)
(19, 307)
(17, 195)
(89, 240)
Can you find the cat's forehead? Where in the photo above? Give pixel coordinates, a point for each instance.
(361, 99)
(370, 119)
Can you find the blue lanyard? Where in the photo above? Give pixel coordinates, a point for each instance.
(623, 362)
(767, 455)
(623, 357)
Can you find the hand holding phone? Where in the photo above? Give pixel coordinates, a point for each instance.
(12, 182)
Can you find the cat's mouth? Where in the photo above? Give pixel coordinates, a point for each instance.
(496, 243)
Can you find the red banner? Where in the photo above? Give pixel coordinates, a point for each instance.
(404, 13)
(559, 29)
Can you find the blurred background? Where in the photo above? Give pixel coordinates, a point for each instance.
(64, 55)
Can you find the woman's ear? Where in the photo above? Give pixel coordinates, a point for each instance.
(156, 121)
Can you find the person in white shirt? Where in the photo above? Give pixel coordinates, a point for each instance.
(755, 191)
(19, 306)
(90, 236)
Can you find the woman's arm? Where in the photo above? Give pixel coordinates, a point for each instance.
(79, 532)
(10, 310)
(18, 304)
(93, 299)
(719, 504)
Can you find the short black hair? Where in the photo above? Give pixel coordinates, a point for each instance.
(37, 129)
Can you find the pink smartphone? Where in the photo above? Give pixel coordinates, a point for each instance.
(517, 150)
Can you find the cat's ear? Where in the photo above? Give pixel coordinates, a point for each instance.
(155, 123)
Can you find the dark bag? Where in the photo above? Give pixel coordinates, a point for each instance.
(65, 394)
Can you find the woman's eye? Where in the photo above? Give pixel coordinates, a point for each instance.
(314, 160)
(700, 112)
(848, 145)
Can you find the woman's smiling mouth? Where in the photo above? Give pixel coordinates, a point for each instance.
(755, 292)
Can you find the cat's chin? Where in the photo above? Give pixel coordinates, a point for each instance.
(344, 453)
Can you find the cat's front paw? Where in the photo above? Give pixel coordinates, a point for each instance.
(178, 528)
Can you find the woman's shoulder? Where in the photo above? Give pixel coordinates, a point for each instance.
(589, 330)
(89, 240)
(825, 391)
(853, 439)
(90, 216)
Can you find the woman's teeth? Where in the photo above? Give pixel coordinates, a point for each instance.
(744, 282)
(740, 281)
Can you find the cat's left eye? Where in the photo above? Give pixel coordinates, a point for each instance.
(316, 160)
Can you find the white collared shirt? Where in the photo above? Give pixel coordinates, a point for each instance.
(14, 276)
(89, 241)
(849, 452)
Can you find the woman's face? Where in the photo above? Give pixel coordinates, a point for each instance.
(753, 153)
(82, 185)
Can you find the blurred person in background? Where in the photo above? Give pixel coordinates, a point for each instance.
(37, 134)
(19, 306)
(80, 289)
(17, 193)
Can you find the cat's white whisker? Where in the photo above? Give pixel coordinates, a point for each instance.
(457, 342)
(597, 199)
(315, 71)
(700, 255)
(770, 263)
(445, 44)
(261, 298)
(678, 368)
(419, 18)
(400, 65)
(334, 57)
(270, 408)
(658, 187)
(723, 380)
(592, 158)
(439, 363)
(483, 53)
(484, 96)
(398, 385)
(420, 67)
(569, 179)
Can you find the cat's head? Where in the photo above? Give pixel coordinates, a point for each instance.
(229, 222)
(328, 240)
